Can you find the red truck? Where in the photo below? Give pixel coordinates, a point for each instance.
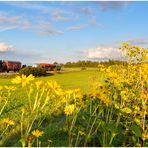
(10, 66)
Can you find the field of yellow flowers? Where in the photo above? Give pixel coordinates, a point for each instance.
(114, 113)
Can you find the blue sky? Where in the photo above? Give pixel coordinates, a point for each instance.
(49, 31)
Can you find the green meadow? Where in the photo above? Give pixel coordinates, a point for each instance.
(68, 78)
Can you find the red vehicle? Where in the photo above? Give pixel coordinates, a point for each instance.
(48, 67)
(10, 65)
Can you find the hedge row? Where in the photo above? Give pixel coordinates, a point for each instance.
(35, 71)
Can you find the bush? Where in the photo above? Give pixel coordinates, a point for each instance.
(83, 68)
(35, 71)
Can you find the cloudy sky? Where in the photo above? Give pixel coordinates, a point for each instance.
(34, 32)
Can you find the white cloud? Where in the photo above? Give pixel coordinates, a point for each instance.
(5, 47)
(86, 10)
(102, 53)
(91, 23)
(77, 27)
(10, 52)
(138, 41)
(61, 15)
(112, 5)
(47, 29)
(8, 22)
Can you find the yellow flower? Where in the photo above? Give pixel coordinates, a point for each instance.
(127, 110)
(37, 133)
(69, 92)
(137, 121)
(1, 87)
(23, 110)
(145, 135)
(38, 84)
(53, 84)
(12, 88)
(23, 80)
(17, 80)
(55, 87)
(7, 121)
(69, 109)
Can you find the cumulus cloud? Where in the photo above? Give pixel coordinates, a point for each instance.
(102, 53)
(10, 52)
(5, 48)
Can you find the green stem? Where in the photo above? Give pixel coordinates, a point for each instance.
(22, 125)
(4, 131)
(112, 137)
(37, 142)
(35, 102)
(76, 143)
(86, 139)
(3, 107)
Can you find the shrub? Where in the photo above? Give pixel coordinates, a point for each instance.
(83, 68)
(35, 71)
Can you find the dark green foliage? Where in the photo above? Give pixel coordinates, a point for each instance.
(94, 63)
(35, 71)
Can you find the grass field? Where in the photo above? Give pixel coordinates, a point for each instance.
(68, 78)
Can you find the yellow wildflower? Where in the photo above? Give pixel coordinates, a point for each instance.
(37, 133)
(12, 88)
(69, 109)
(127, 110)
(17, 80)
(23, 110)
(1, 87)
(145, 135)
(137, 121)
(38, 84)
(7, 121)
(53, 84)
(69, 92)
(55, 87)
(23, 80)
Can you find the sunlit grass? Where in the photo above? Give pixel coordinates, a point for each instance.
(72, 79)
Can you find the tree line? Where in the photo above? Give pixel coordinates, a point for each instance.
(93, 63)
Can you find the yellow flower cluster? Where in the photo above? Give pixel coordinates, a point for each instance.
(7, 121)
(11, 88)
(37, 133)
(24, 80)
(69, 109)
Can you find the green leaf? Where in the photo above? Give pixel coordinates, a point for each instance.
(136, 130)
(112, 126)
